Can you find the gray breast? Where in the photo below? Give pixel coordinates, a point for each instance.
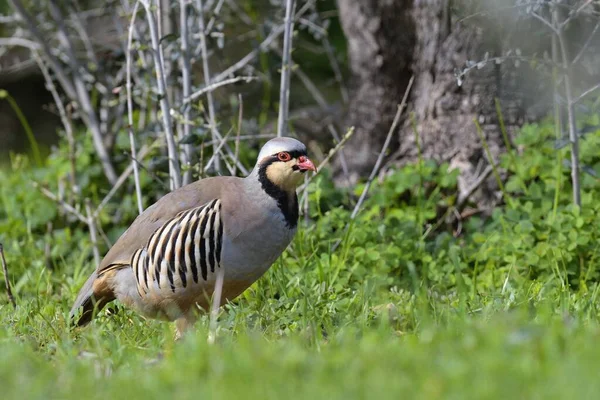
(257, 245)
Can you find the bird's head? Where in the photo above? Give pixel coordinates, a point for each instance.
(283, 162)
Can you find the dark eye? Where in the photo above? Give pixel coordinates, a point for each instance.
(284, 156)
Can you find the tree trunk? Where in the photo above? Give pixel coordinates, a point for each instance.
(391, 40)
(381, 39)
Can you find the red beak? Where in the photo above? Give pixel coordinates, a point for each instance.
(304, 164)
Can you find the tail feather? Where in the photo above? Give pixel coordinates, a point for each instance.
(91, 300)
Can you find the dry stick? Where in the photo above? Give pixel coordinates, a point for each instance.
(588, 91)
(85, 38)
(462, 198)
(239, 130)
(216, 13)
(9, 293)
(381, 156)
(335, 65)
(332, 152)
(573, 138)
(248, 58)
(574, 13)
(65, 206)
(217, 85)
(32, 27)
(186, 78)
(123, 177)
(17, 41)
(284, 89)
(136, 172)
(207, 82)
(83, 96)
(320, 100)
(262, 47)
(174, 170)
(92, 226)
(586, 44)
(216, 152)
(379, 161)
(303, 188)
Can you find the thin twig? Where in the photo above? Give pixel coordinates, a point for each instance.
(216, 85)
(174, 170)
(82, 95)
(217, 151)
(17, 41)
(463, 197)
(572, 125)
(284, 89)
(262, 47)
(574, 13)
(207, 81)
(93, 234)
(9, 293)
(63, 117)
(123, 177)
(239, 130)
(136, 172)
(332, 152)
(381, 156)
(186, 77)
(586, 44)
(584, 94)
(64, 205)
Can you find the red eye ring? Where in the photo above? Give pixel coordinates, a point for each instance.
(284, 156)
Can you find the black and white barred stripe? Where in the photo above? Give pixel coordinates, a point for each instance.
(182, 250)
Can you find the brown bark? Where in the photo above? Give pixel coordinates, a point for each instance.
(388, 42)
(380, 36)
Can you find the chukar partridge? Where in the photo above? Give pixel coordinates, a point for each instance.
(166, 263)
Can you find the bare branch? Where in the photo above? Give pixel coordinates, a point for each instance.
(331, 153)
(174, 170)
(545, 22)
(381, 156)
(586, 44)
(284, 90)
(17, 41)
(217, 85)
(48, 53)
(63, 117)
(262, 47)
(144, 150)
(239, 129)
(93, 234)
(136, 172)
(186, 77)
(64, 205)
(463, 197)
(83, 97)
(573, 137)
(584, 94)
(207, 80)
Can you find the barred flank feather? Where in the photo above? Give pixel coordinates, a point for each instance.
(185, 247)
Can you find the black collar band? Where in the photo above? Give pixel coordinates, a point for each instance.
(287, 204)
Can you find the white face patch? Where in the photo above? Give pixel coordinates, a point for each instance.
(283, 175)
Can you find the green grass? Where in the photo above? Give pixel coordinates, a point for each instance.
(507, 347)
(404, 308)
